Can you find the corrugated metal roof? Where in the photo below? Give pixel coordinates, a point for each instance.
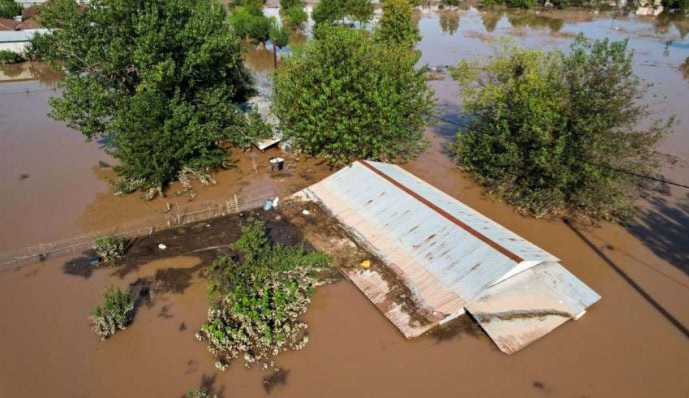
(445, 252)
(430, 230)
(524, 308)
(12, 36)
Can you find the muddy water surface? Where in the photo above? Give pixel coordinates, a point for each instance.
(624, 346)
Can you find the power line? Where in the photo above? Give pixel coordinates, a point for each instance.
(647, 177)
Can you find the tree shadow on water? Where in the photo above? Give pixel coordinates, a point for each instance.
(81, 266)
(208, 387)
(664, 228)
(274, 379)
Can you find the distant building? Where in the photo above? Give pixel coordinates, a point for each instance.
(18, 40)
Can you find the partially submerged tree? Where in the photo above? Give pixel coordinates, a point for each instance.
(295, 17)
(335, 11)
(9, 9)
(396, 26)
(547, 129)
(249, 22)
(344, 97)
(157, 80)
(257, 299)
(115, 314)
(279, 37)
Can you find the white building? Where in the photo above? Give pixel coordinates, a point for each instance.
(450, 259)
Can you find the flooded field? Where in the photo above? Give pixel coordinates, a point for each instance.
(634, 343)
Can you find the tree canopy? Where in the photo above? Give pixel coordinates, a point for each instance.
(547, 129)
(345, 97)
(9, 9)
(396, 25)
(157, 80)
(249, 22)
(333, 11)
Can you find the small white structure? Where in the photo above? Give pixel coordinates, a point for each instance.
(262, 105)
(18, 40)
(449, 257)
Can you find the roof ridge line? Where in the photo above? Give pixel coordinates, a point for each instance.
(490, 242)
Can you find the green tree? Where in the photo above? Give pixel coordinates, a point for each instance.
(547, 129)
(396, 26)
(344, 97)
(250, 23)
(9, 9)
(279, 36)
(360, 10)
(335, 11)
(159, 80)
(329, 11)
(296, 17)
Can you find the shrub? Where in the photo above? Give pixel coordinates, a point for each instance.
(110, 247)
(115, 314)
(547, 130)
(10, 57)
(202, 393)
(256, 300)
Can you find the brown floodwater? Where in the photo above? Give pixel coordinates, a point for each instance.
(625, 346)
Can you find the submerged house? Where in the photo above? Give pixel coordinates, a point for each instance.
(442, 259)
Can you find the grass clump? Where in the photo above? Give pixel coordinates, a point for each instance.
(202, 393)
(257, 297)
(116, 312)
(110, 247)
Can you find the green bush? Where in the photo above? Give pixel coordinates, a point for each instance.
(256, 300)
(546, 128)
(115, 314)
(10, 57)
(110, 247)
(202, 393)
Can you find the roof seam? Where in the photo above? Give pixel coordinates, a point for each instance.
(503, 250)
